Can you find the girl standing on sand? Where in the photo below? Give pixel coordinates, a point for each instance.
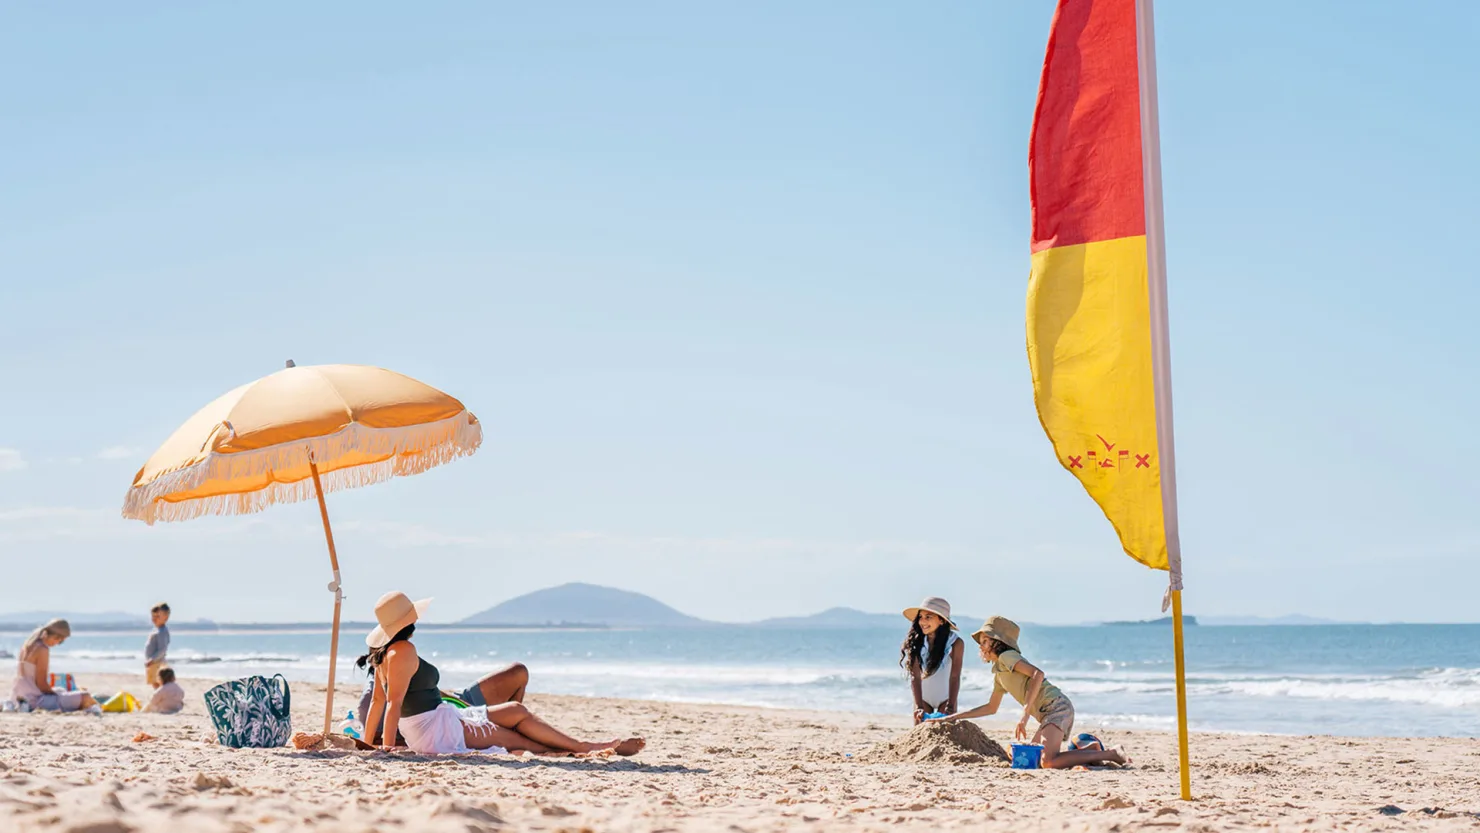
(33, 673)
(406, 695)
(1040, 699)
(932, 653)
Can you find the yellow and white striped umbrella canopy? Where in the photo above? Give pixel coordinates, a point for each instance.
(252, 447)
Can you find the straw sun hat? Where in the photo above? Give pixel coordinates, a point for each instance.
(935, 604)
(1000, 628)
(394, 612)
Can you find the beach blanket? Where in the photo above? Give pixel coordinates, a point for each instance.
(253, 712)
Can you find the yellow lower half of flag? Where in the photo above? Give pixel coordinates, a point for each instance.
(1089, 347)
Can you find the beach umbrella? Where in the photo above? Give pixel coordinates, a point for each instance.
(295, 435)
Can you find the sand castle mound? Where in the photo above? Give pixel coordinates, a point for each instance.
(956, 742)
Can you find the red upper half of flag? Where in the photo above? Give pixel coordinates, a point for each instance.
(1084, 159)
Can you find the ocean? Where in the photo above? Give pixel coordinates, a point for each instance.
(1361, 680)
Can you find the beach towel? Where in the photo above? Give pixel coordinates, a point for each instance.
(253, 712)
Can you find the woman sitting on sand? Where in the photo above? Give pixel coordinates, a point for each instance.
(933, 652)
(33, 673)
(406, 695)
(505, 685)
(1040, 699)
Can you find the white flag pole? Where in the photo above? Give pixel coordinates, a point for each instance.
(1161, 353)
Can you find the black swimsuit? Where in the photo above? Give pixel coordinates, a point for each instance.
(422, 694)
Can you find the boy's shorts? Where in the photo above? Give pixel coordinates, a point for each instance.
(1060, 713)
(151, 673)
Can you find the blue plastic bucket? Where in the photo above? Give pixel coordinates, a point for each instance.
(1026, 755)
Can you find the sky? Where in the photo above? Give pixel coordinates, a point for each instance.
(737, 291)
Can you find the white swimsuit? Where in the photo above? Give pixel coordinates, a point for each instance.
(936, 688)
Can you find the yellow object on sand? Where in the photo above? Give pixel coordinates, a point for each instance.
(294, 435)
(122, 702)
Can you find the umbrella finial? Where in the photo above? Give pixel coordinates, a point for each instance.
(290, 363)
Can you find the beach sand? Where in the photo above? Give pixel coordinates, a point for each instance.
(706, 768)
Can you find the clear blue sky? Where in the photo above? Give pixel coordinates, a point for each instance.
(738, 293)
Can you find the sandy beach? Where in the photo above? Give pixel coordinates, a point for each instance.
(706, 768)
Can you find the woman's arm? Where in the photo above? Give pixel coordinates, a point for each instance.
(958, 655)
(980, 711)
(43, 670)
(1035, 687)
(400, 663)
(377, 706)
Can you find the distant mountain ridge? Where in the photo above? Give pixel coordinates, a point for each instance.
(37, 618)
(578, 603)
(847, 617)
(590, 604)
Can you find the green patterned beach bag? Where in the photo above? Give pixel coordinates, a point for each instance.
(253, 712)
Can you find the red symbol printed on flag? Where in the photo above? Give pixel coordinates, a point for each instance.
(1112, 458)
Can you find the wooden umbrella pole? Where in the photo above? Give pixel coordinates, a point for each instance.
(318, 489)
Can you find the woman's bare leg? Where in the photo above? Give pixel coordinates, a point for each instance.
(505, 686)
(489, 734)
(1054, 758)
(519, 718)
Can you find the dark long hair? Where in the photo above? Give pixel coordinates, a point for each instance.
(909, 652)
(375, 656)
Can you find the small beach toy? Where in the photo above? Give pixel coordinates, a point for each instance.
(935, 715)
(66, 682)
(1027, 755)
(121, 703)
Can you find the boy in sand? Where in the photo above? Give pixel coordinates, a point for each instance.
(1040, 699)
(169, 698)
(158, 644)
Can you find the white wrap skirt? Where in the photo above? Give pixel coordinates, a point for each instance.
(440, 731)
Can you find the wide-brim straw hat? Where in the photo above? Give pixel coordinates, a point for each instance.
(935, 604)
(999, 628)
(394, 612)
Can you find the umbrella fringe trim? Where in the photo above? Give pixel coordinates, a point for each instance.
(413, 449)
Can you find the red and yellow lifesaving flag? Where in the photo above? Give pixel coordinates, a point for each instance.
(1089, 312)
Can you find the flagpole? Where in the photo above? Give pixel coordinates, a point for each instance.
(1161, 353)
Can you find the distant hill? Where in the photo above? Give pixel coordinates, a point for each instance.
(847, 617)
(1187, 621)
(835, 617)
(585, 604)
(37, 618)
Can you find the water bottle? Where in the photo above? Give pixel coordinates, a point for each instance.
(350, 726)
(23, 707)
(7, 706)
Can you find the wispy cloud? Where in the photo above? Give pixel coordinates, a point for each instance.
(11, 460)
(119, 452)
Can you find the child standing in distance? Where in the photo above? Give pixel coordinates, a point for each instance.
(998, 639)
(932, 653)
(158, 644)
